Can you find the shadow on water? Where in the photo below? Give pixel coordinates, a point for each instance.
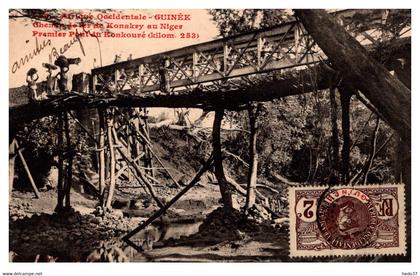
(158, 233)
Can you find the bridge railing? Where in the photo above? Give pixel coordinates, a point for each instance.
(229, 61)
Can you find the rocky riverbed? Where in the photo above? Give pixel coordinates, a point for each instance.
(87, 234)
(65, 237)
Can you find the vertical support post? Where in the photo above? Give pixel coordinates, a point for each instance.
(195, 65)
(80, 83)
(117, 78)
(60, 193)
(144, 131)
(69, 153)
(137, 128)
(110, 124)
(141, 76)
(128, 140)
(12, 158)
(94, 83)
(149, 154)
(64, 190)
(101, 155)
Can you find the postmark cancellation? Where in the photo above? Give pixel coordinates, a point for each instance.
(347, 220)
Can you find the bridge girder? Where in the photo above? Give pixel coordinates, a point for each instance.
(231, 63)
(262, 79)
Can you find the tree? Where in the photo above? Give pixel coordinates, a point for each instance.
(297, 136)
(218, 161)
(388, 94)
(233, 21)
(253, 112)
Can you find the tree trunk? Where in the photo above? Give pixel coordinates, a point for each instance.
(372, 151)
(359, 174)
(334, 138)
(403, 70)
(403, 174)
(218, 160)
(253, 157)
(389, 95)
(403, 73)
(238, 188)
(362, 130)
(345, 97)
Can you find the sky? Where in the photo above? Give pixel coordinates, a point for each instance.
(22, 42)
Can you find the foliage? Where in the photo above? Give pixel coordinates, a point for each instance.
(39, 140)
(231, 21)
(295, 132)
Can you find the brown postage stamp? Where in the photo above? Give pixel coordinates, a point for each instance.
(347, 220)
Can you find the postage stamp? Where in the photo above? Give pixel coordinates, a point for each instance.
(347, 220)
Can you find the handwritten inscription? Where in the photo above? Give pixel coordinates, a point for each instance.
(39, 47)
(55, 52)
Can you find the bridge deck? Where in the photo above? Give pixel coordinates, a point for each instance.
(256, 66)
(234, 62)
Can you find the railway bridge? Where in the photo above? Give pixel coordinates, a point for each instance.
(223, 74)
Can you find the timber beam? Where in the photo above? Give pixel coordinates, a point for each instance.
(272, 86)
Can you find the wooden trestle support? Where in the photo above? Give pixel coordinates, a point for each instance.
(124, 153)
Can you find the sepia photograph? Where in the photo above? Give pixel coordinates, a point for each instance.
(209, 135)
